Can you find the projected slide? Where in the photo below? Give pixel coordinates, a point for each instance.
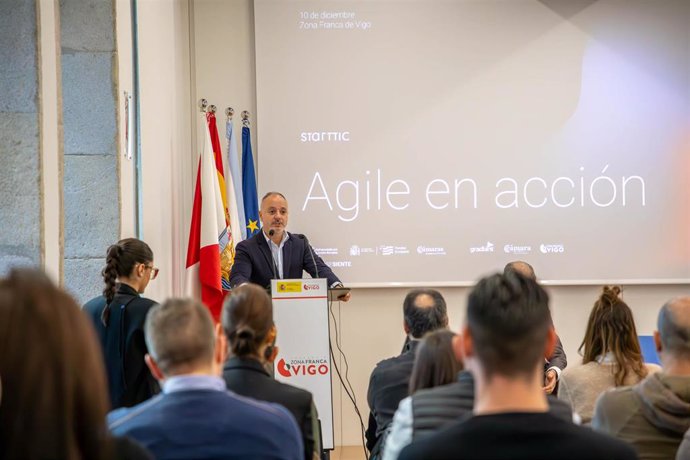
(430, 142)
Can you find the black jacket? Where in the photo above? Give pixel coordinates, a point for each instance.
(129, 380)
(435, 408)
(388, 385)
(247, 377)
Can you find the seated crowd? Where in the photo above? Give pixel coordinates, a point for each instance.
(128, 378)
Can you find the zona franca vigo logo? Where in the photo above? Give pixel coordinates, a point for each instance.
(302, 367)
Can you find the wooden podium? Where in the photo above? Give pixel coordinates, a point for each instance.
(300, 312)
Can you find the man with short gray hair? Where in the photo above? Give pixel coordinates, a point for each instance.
(195, 416)
(654, 415)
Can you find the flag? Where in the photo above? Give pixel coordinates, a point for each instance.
(208, 230)
(226, 244)
(234, 186)
(251, 205)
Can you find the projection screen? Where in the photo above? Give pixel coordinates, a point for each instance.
(430, 142)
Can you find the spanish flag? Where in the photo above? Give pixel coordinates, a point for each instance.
(210, 246)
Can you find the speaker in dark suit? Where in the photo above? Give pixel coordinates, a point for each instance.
(254, 262)
(273, 253)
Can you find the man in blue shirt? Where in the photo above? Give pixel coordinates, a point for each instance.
(196, 416)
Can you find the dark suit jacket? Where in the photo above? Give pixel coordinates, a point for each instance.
(208, 424)
(388, 385)
(254, 262)
(558, 358)
(129, 380)
(247, 377)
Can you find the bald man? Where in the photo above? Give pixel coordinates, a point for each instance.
(554, 364)
(424, 310)
(654, 415)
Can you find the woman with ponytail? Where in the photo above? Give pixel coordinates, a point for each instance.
(120, 322)
(611, 355)
(248, 324)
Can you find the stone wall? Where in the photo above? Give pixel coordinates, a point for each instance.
(91, 194)
(20, 209)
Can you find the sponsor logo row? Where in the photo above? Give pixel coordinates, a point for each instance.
(392, 250)
(297, 286)
(550, 248)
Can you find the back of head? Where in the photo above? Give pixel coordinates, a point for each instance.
(508, 317)
(611, 329)
(179, 336)
(435, 363)
(424, 311)
(120, 260)
(247, 318)
(673, 325)
(53, 381)
(521, 267)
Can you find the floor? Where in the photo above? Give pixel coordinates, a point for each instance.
(348, 453)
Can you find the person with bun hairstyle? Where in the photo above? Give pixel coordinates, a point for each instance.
(120, 323)
(54, 396)
(247, 320)
(611, 355)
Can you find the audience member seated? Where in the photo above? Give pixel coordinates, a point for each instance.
(554, 364)
(434, 362)
(54, 400)
(611, 355)
(248, 323)
(196, 416)
(434, 365)
(507, 334)
(424, 310)
(654, 415)
(119, 316)
(429, 410)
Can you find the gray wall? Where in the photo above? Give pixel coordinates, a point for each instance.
(91, 196)
(20, 210)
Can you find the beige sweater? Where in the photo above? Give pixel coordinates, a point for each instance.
(580, 386)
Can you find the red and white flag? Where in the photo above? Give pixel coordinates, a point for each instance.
(208, 234)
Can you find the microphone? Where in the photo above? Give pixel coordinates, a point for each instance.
(313, 260)
(271, 232)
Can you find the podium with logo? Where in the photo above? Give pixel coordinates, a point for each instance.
(300, 312)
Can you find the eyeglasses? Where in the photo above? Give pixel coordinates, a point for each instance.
(154, 271)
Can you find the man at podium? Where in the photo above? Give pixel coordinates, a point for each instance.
(273, 253)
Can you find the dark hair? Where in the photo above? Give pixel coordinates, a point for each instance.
(673, 331)
(508, 318)
(120, 260)
(434, 363)
(247, 318)
(269, 194)
(179, 335)
(421, 319)
(611, 328)
(519, 266)
(55, 394)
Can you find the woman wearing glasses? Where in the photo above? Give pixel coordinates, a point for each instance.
(120, 324)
